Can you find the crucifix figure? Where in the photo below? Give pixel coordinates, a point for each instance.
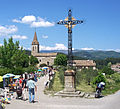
(70, 22)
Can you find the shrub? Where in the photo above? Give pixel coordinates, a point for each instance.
(99, 78)
(61, 71)
(51, 83)
(107, 70)
(116, 77)
(43, 65)
(86, 75)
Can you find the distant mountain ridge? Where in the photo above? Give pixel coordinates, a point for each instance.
(95, 54)
(87, 54)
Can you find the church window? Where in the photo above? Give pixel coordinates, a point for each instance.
(47, 63)
(33, 48)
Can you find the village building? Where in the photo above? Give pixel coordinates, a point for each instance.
(116, 67)
(80, 64)
(48, 58)
(43, 58)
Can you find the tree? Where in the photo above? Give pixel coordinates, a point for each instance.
(99, 78)
(86, 75)
(107, 70)
(30, 69)
(33, 60)
(13, 57)
(61, 59)
(109, 65)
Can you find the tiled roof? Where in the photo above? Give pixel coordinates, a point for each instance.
(84, 63)
(45, 54)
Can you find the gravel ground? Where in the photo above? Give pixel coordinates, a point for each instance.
(48, 102)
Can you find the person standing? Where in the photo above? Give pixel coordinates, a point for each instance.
(35, 77)
(31, 88)
(24, 89)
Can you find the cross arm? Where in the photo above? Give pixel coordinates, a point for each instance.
(62, 22)
(77, 22)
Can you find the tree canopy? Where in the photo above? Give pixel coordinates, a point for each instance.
(61, 59)
(13, 58)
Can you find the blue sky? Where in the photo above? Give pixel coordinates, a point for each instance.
(100, 30)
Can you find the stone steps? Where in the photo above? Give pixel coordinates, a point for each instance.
(72, 94)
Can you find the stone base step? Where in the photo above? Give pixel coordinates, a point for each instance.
(72, 94)
(82, 94)
(67, 95)
(87, 95)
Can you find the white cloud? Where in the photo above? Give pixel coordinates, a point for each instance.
(34, 22)
(40, 19)
(109, 50)
(28, 48)
(44, 36)
(24, 48)
(26, 19)
(42, 24)
(1, 45)
(56, 47)
(117, 50)
(19, 37)
(87, 48)
(15, 20)
(6, 30)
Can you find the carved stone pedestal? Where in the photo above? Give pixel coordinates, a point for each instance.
(69, 78)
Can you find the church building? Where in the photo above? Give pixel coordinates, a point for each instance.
(43, 58)
(48, 58)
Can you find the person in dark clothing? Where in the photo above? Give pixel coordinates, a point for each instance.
(1, 106)
(19, 91)
(24, 89)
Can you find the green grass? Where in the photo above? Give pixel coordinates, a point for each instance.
(111, 89)
(111, 86)
(85, 88)
(57, 86)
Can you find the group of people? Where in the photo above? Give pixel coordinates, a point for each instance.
(24, 84)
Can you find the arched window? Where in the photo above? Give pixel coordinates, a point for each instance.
(47, 63)
(33, 48)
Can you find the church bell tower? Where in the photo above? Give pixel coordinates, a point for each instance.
(35, 45)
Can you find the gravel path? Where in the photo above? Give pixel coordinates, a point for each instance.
(48, 102)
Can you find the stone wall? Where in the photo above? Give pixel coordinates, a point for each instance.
(46, 60)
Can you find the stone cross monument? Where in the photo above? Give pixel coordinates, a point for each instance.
(69, 74)
(70, 22)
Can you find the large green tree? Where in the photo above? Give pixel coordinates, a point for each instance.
(61, 59)
(13, 58)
